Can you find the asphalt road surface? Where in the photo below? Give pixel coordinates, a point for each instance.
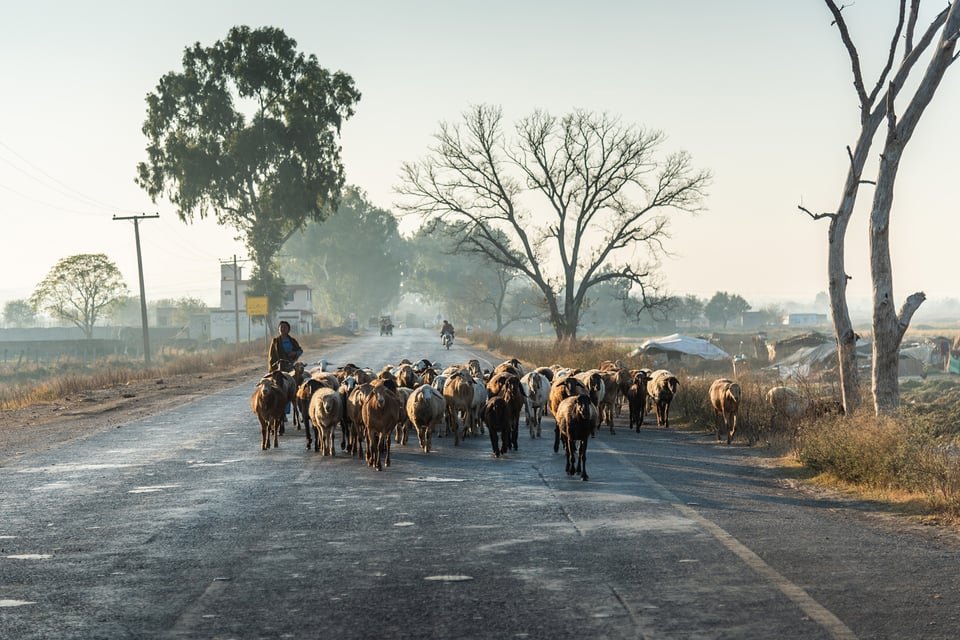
(179, 526)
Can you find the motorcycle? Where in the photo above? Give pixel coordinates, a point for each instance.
(447, 339)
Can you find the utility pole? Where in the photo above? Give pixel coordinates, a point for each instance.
(143, 295)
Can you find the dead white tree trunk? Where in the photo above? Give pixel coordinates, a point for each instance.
(874, 107)
(888, 325)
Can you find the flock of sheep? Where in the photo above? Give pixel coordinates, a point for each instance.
(372, 408)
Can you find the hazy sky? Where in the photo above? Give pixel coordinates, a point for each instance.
(758, 92)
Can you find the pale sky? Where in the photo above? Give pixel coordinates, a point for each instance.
(758, 92)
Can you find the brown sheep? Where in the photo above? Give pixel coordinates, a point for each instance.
(358, 430)
(661, 389)
(407, 377)
(615, 382)
(458, 393)
(637, 398)
(268, 402)
(623, 378)
(562, 388)
(326, 412)
(577, 419)
(507, 385)
(497, 416)
(426, 409)
(286, 382)
(380, 414)
(725, 399)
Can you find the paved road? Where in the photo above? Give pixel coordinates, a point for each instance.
(179, 526)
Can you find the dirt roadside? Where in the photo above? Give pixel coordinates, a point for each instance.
(46, 425)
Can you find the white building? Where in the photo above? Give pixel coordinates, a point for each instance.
(231, 318)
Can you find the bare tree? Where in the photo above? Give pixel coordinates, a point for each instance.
(877, 105)
(606, 194)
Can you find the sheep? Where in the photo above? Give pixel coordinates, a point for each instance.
(508, 386)
(577, 419)
(289, 386)
(458, 393)
(546, 372)
(380, 413)
(473, 366)
(326, 412)
(480, 397)
(426, 408)
(497, 416)
(593, 381)
(637, 397)
(561, 389)
(536, 391)
(403, 426)
(304, 393)
(725, 398)
(662, 388)
(616, 382)
(510, 366)
(268, 402)
(620, 375)
(358, 429)
(298, 374)
(789, 404)
(407, 377)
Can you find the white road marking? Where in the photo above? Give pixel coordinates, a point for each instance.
(15, 603)
(817, 612)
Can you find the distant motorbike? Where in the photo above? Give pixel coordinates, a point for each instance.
(446, 339)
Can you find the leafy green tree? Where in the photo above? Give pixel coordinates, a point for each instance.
(19, 313)
(583, 191)
(724, 307)
(249, 131)
(79, 289)
(354, 259)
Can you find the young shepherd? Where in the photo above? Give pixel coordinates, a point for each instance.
(725, 399)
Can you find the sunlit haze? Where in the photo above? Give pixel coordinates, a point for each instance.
(758, 92)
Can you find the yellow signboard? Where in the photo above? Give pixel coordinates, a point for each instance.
(256, 305)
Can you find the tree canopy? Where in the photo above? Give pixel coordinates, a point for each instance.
(568, 202)
(724, 307)
(79, 289)
(248, 131)
(354, 259)
(465, 286)
(18, 313)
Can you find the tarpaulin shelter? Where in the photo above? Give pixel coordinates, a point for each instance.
(680, 344)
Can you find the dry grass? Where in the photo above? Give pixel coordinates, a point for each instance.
(34, 385)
